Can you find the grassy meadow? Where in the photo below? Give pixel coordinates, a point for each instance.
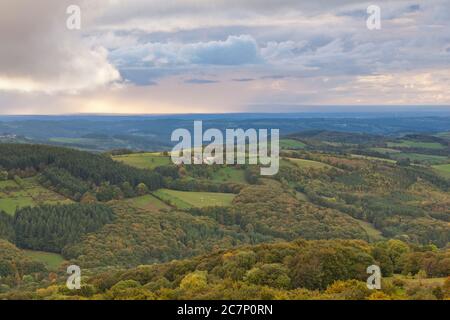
(291, 144)
(309, 164)
(52, 260)
(443, 170)
(144, 160)
(423, 158)
(229, 174)
(186, 199)
(147, 202)
(29, 193)
(415, 144)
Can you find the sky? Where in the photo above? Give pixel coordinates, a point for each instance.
(218, 56)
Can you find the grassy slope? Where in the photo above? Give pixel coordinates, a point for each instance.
(147, 202)
(144, 160)
(443, 170)
(430, 159)
(52, 260)
(185, 200)
(415, 144)
(291, 144)
(229, 174)
(29, 193)
(302, 163)
(372, 233)
(385, 150)
(372, 158)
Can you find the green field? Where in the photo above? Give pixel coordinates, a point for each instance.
(415, 144)
(229, 174)
(444, 135)
(372, 233)
(291, 144)
(358, 156)
(309, 164)
(148, 202)
(144, 160)
(385, 150)
(186, 199)
(7, 184)
(443, 170)
(424, 158)
(29, 193)
(52, 260)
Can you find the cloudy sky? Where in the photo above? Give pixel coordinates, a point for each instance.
(188, 56)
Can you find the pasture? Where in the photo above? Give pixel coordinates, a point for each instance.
(29, 193)
(385, 150)
(415, 144)
(229, 174)
(443, 170)
(291, 144)
(422, 158)
(52, 260)
(147, 202)
(144, 160)
(187, 199)
(358, 156)
(309, 164)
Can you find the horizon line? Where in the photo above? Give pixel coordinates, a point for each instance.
(320, 110)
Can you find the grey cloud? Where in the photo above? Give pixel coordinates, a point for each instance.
(123, 10)
(40, 54)
(141, 77)
(243, 80)
(298, 41)
(200, 81)
(276, 76)
(235, 50)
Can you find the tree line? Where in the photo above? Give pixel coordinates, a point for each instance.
(324, 269)
(73, 172)
(51, 228)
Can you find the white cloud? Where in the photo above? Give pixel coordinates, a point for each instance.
(40, 54)
(235, 50)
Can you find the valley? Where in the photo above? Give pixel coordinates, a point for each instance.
(223, 231)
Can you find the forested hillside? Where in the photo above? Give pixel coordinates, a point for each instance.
(331, 269)
(155, 230)
(51, 228)
(74, 172)
(407, 202)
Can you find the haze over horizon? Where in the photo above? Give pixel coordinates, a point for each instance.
(407, 110)
(187, 57)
